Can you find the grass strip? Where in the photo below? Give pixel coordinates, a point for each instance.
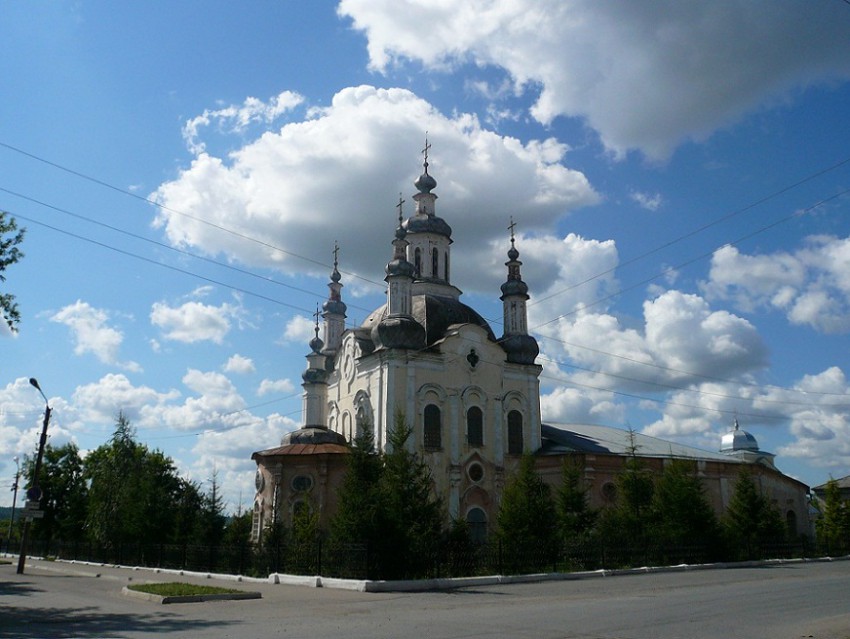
(180, 589)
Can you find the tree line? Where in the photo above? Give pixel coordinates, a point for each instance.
(124, 492)
(386, 503)
(649, 511)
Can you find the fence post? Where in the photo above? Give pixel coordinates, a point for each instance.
(319, 556)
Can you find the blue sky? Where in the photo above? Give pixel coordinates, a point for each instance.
(678, 173)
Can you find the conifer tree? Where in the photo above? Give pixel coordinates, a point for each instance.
(682, 514)
(359, 516)
(527, 518)
(575, 517)
(751, 520)
(413, 514)
(211, 519)
(833, 526)
(628, 522)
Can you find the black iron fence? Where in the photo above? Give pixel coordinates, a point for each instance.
(359, 561)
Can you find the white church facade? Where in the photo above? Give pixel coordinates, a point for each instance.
(472, 398)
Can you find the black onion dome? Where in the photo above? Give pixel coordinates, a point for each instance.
(400, 267)
(313, 435)
(425, 183)
(315, 375)
(514, 287)
(435, 313)
(398, 332)
(427, 224)
(337, 307)
(521, 349)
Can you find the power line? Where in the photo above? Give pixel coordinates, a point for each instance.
(176, 212)
(703, 256)
(620, 266)
(700, 229)
(163, 245)
(163, 265)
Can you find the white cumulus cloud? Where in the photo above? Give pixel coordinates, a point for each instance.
(810, 285)
(92, 333)
(239, 364)
(193, 321)
(645, 75)
(342, 168)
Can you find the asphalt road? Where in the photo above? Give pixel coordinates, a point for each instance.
(795, 600)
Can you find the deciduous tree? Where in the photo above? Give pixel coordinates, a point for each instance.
(65, 494)
(10, 237)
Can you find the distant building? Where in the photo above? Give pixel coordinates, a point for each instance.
(472, 399)
(843, 489)
(602, 451)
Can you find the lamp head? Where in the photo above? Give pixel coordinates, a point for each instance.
(34, 382)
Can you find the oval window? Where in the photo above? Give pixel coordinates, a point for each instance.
(301, 483)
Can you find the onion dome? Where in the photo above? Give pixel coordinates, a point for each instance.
(334, 303)
(435, 313)
(316, 371)
(425, 183)
(398, 331)
(514, 284)
(738, 439)
(521, 349)
(399, 264)
(425, 220)
(427, 224)
(316, 344)
(313, 436)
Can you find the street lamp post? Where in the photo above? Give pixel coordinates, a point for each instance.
(34, 491)
(14, 501)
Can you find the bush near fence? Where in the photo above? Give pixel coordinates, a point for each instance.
(356, 561)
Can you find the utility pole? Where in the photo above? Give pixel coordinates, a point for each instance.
(14, 501)
(34, 491)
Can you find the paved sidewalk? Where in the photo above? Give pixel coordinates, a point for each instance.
(770, 601)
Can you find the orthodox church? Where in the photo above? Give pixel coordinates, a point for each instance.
(471, 398)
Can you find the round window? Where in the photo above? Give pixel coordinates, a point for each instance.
(259, 481)
(301, 483)
(475, 472)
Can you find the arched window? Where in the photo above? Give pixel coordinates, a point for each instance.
(515, 445)
(300, 510)
(417, 261)
(257, 522)
(475, 426)
(435, 263)
(447, 266)
(791, 523)
(477, 520)
(433, 430)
